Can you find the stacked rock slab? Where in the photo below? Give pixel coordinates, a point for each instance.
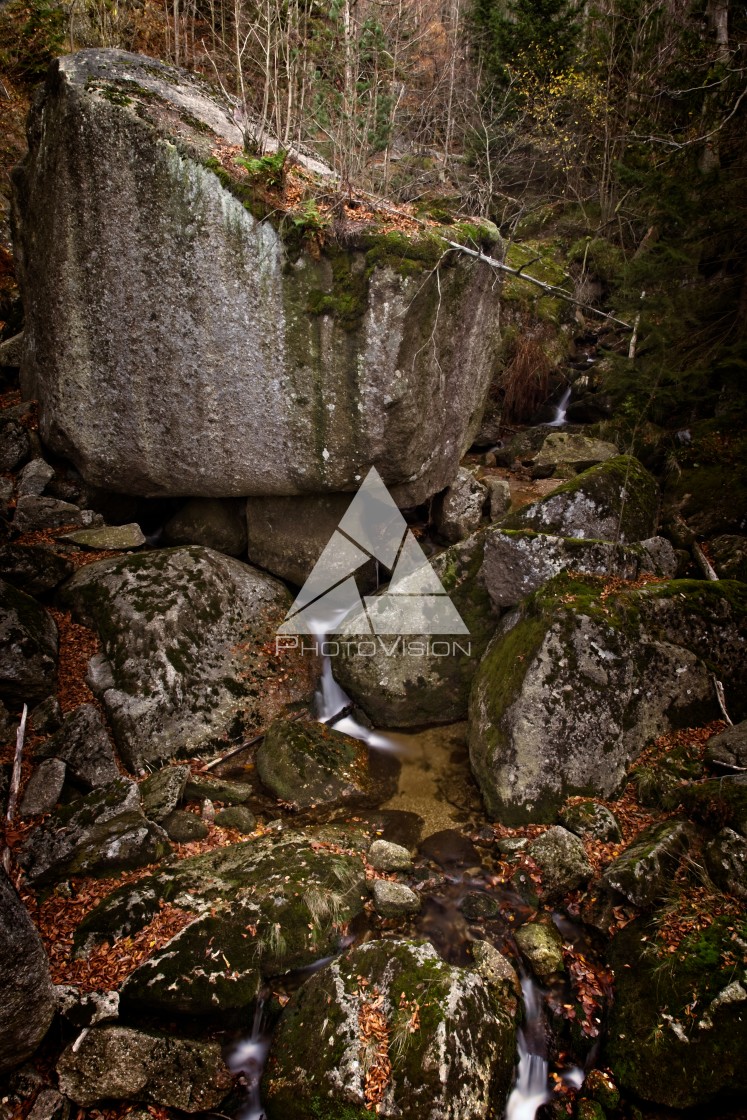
(178, 346)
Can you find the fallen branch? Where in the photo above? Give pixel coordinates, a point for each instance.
(703, 563)
(722, 700)
(15, 783)
(551, 289)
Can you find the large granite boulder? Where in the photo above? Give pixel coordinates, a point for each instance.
(218, 523)
(391, 1027)
(235, 362)
(580, 678)
(182, 632)
(257, 909)
(28, 1002)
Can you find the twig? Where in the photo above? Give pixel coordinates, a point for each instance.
(551, 288)
(15, 781)
(704, 563)
(722, 700)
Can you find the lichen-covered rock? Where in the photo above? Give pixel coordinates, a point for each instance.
(237, 817)
(119, 1063)
(417, 680)
(590, 818)
(218, 523)
(615, 501)
(542, 946)
(308, 764)
(643, 872)
(728, 750)
(579, 680)
(449, 1049)
(499, 496)
(562, 862)
(162, 791)
(28, 647)
(385, 856)
(34, 513)
(518, 562)
(28, 1002)
(185, 828)
(726, 859)
(459, 511)
(83, 743)
(33, 568)
(109, 538)
(43, 788)
(202, 786)
(182, 630)
(34, 477)
(394, 900)
(571, 448)
(498, 972)
(678, 1027)
(258, 908)
(103, 831)
(243, 337)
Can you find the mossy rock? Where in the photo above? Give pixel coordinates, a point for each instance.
(678, 1028)
(449, 1040)
(581, 678)
(614, 501)
(28, 647)
(261, 908)
(308, 764)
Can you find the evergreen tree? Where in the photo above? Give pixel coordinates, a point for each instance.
(539, 36)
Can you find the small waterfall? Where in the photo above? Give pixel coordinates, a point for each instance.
(560, 410)
(531, 1089)
(249, 1058)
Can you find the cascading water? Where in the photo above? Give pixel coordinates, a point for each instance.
(560, 410)
(249, 1058)
(531, 1089)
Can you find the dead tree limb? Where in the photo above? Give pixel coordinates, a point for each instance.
(551, 289)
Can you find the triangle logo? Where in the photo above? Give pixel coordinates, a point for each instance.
(415, 602)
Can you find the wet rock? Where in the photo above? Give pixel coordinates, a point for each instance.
(184, 828)
(477, 905)
(33, 513)
(131, 1065)
(601, 1088)
(615, 501)
(182, 630)
(385, 856)
(449, 847)
(15, 445)
(109, 538)
(499, 496)
(578, 681)
(85, 1009)
(27, 1007)
(103, 831)
(237, 817)
(572, 448)
(200, 786)
(726, 860)
(728, 751)
(162, 791)
(405, 684)
(308, 764)
(34, 569)
(542, 947)
(260, 908)
(43, 788)
(589, 1110)
(394, 900)
(519, 562)
(643, 872)
(49, 1105)
(590, 818)
(456, 1065)
(562, 861)
(46, 717)
(241, 304)
(718, 801)
(459, 512)
(656, 1047)
(34, 477)
(218, 523)
(83, 743)
(498, 973)
(28, 647)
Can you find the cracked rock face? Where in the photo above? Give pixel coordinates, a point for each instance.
(241, 376)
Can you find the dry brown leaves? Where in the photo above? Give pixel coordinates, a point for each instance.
(374, 1038)
(78, 644)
